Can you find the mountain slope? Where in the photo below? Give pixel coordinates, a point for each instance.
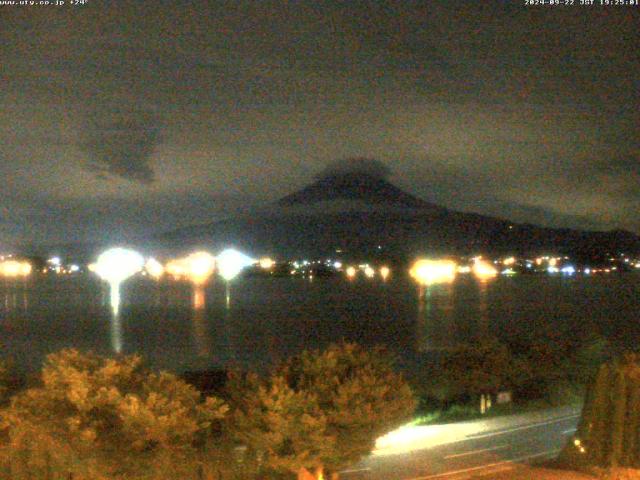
(364, 214)
(355, 187)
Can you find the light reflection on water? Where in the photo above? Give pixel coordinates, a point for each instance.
(200, 334)
(178, 327)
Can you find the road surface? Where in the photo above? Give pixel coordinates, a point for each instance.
(467, 449)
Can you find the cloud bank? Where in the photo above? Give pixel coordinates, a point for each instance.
(120, 141)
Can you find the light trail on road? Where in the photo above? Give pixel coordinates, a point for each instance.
(467, 449)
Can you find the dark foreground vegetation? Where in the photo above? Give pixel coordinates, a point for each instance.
(96, 418)
(607, 441)
(546, 373)
(89, 417)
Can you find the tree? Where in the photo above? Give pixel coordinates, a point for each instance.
(283, 427)
(4, 382)
(323, 409)
(483, 368)
(97, 416)
(609, 429)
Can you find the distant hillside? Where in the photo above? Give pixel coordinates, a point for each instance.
(355, 187)
(363, 214)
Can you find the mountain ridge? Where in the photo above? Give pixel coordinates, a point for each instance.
(358, 212)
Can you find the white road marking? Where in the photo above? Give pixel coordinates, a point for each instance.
(464, 470)
(473, 452)
(524, 427)
(489, 465)
(355, 470)
(493, 471)
(571, 430)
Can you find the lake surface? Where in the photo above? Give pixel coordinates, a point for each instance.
(267, 319)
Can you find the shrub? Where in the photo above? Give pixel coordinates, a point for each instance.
(321, 408)
(99, 417)
(608, 432)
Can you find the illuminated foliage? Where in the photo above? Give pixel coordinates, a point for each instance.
(103, 418)
(609, 431)
(483, 368)
(323, 408)
(4, 382)
(284, 427)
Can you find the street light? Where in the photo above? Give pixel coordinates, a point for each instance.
(428, 272)
(197, 267)
(154, 268)
(483, 269)
(230, 263)
(15, 268)
(115, 266)
(384, 272)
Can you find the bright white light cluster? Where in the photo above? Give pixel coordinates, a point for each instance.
(428, 272)
(231, 263)
(15, 268)
(118, 264)
(154, 268)
(197, 267)
(483, 269)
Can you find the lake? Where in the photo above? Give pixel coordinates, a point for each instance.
(267, 319)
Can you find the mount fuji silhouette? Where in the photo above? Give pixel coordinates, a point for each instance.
(353, 186)
(355, 210)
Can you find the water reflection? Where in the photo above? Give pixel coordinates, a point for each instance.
(16, 297)
(116, 321)
(200, 336)
(116, 332)
(114, 298)
(483, 308)
(10, 301)
(435, 329)
(77, 312)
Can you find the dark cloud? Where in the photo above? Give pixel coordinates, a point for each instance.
(360, 165)
(120, 141)
(470, 109)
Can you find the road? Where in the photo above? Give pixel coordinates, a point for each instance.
(467, 449)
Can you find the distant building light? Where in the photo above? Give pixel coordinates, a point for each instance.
(266, 263)
(428, 272)
(154, 268)
(483, 269)
(384, 272)
(231, 263)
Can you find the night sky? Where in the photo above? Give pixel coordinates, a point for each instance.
(119, 119)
